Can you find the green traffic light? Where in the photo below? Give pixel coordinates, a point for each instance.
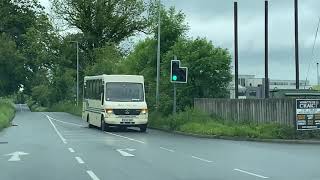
(174, 77)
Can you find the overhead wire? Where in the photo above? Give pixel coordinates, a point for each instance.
(312, 53)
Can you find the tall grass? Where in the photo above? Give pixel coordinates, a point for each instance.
(7, 112)
(68, 107)
(197, 122)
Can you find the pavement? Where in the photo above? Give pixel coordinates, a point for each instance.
(60, 146)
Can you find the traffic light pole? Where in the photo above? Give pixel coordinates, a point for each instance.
(175, 94)
(174, 98)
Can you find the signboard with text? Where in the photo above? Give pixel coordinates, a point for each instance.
(308, 114)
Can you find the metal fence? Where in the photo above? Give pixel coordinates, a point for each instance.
(280, 111)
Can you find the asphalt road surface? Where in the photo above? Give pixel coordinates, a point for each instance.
(59, 146)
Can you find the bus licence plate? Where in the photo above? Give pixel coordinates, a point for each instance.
(127, 120)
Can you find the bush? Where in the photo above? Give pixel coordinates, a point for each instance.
(67, 106)
(197, 122)
(7, 112)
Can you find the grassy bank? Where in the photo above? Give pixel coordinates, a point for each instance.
(65, 106)
(7, 112)
(196, 122)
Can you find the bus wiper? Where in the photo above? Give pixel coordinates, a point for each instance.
(135, 100)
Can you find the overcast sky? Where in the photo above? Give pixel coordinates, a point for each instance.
(213, 19)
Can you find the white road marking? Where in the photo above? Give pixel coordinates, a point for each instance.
(201, 159)
(71, 150)
(253, 174)
(125, 137)
(92, 175)
(59, 134)
(170, 150)
(15, 156)
(65, 122)
(126, 154)
(80, 161)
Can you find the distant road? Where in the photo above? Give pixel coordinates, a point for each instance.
(59, 146)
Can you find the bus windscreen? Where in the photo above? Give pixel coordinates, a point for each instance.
(124, 92)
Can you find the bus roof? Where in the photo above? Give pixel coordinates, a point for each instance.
(117, 78)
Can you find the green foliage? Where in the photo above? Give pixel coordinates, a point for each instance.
(7, 112)
(105, 20)
(66, 106)
(197, 122)
(11, 66)
(173, 25)
(107, 60)
(16, 16)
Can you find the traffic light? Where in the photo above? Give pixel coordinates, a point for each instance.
(178, 74)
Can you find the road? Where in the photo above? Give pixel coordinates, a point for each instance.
(56, 146)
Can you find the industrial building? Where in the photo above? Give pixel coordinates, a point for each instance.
(251, 87)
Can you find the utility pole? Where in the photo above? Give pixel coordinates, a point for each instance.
(318, 74)
(77, 73)
(296, 35)
(77, 70)
(236, 79)
(266, 63)
(158, 56)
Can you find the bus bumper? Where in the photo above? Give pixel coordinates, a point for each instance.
(126, 121)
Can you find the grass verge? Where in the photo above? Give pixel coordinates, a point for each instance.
(7, 112)
(67, 107)
(197, 122)
(64, 106)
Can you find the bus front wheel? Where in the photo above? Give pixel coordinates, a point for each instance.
(143, 128)
(88, 121)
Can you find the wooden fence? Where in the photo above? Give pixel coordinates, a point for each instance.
(280, 111)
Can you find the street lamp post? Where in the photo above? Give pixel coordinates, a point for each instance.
(158, 57)
(77, 70)
(318, 74)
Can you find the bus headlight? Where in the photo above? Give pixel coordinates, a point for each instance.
(144, 111)
(109, 111)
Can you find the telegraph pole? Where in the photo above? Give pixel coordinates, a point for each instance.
(158, 56)
(77, 73)
(236, 79)
(266, 57)
(77, 70)
(296, 35)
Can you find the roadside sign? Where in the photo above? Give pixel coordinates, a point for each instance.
(308, 114)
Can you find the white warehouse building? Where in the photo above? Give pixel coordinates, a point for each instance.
(247, 82)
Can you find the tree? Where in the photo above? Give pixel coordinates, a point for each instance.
(103, 21)
(11, 66)
(143, 58)
(173, 25)
(107, 60)
(16, 16)
(209, 70)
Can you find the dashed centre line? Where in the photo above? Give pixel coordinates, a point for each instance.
(71, 150)
(201, 159)
(250, 173)
(170, 150)
(92, 175)
(80, 161)
(131, 139)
